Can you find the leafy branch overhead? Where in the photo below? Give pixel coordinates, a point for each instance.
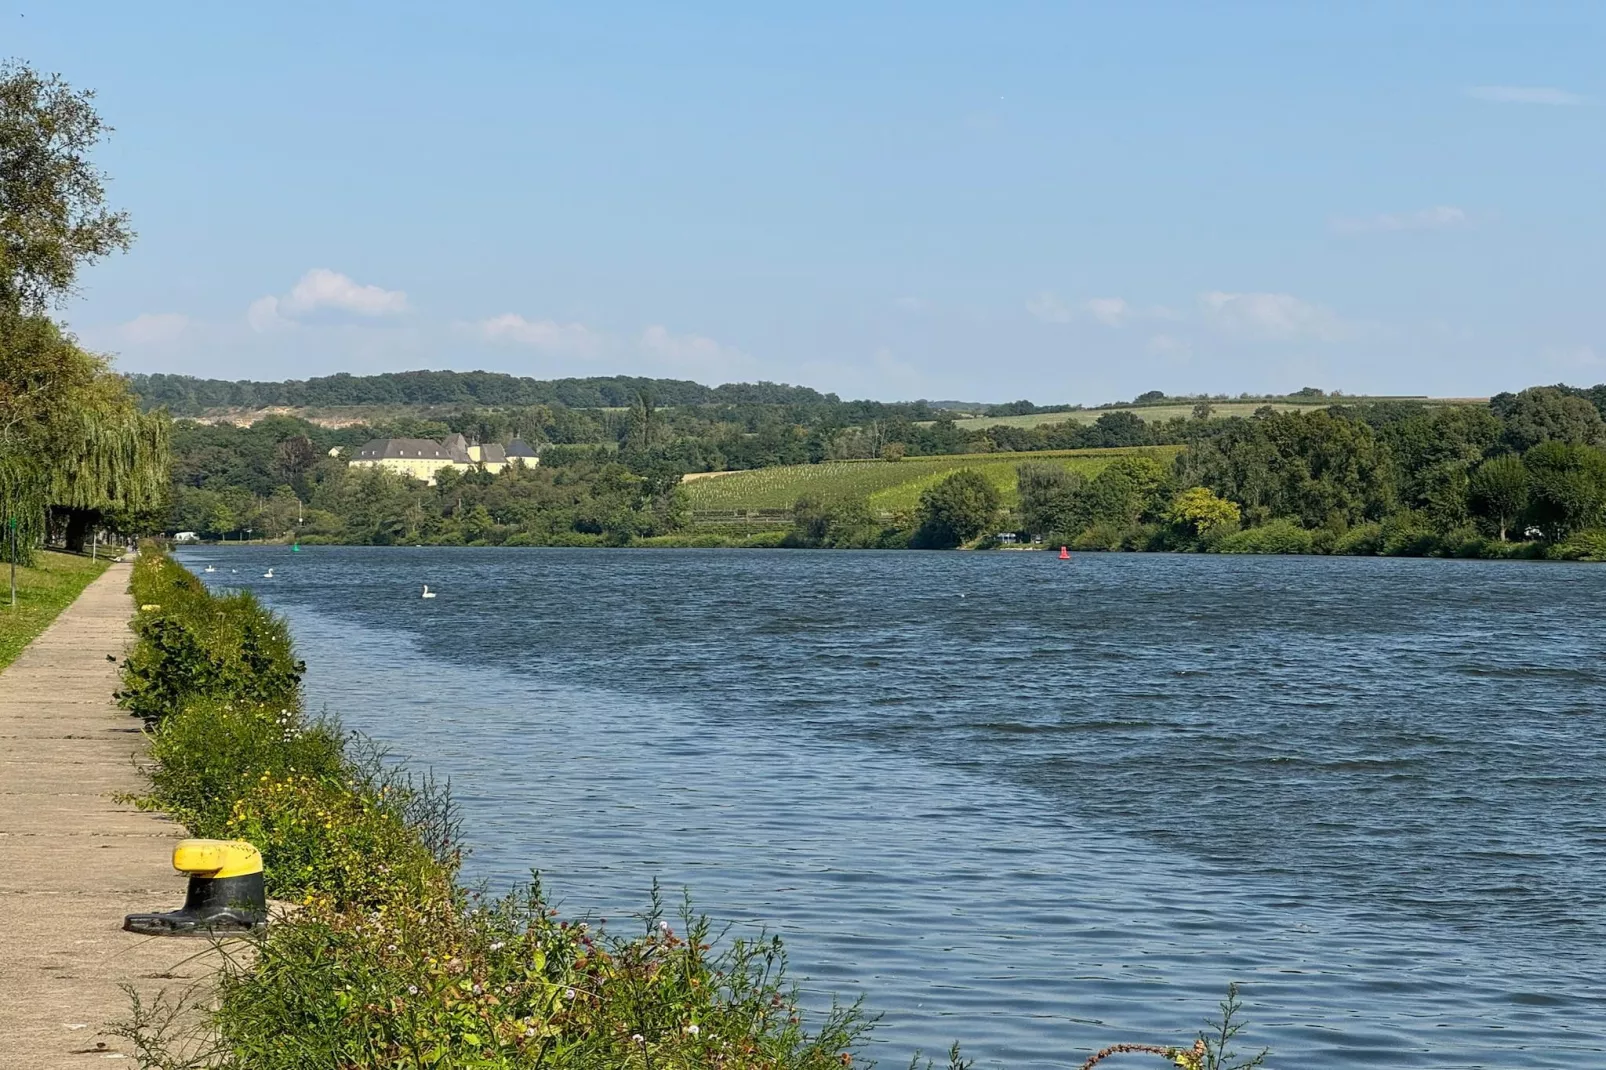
(53, 214)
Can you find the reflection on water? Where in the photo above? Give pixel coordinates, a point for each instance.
(1059, 811)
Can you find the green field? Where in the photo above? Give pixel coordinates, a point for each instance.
(889, 486)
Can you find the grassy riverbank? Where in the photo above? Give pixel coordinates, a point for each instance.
(44, 589)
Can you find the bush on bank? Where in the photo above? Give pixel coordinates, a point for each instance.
(194, 645)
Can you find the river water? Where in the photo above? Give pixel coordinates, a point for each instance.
(1032, 805)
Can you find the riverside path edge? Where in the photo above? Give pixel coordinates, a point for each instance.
(73, 860)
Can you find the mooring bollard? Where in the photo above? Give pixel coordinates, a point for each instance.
(225, 895)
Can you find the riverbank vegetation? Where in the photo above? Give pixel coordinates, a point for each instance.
(44, 588)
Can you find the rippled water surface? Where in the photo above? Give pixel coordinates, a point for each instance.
(1033, 805)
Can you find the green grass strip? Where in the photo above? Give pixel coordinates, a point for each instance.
(52, 584)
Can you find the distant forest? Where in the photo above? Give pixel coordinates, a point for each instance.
(184, 395)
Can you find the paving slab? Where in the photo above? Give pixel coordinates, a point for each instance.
(74, 860)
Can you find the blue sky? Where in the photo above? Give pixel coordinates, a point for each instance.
(1066, 202)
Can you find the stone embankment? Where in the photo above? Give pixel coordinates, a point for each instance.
(73, 860)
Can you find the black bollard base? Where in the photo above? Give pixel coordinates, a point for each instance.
(225, 895)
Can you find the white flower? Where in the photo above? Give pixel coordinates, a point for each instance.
(568, 993)
(638, 1039)
(412, 990)
(498, 946)
(692, 1029)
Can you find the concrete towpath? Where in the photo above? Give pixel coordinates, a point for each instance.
(72, 860)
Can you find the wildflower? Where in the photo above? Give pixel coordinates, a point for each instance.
(568, 993)
(498, 946)
(412, 990)
(637, 1038)
(692, 1029)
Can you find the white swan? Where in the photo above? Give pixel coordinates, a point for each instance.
(427, 592)
(268, 575)
(210, 568)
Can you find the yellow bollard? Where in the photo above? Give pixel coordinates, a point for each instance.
(225, 894)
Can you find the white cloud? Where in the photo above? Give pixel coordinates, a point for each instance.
(1273, 317)
(1110, 311)
(263, 314)
(322, 290)
(153, 328)
(1438, 217)
(1049, 309)
(548, 336)
(693, 353)
(1527, 94)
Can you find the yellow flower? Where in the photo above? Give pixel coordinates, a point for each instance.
(149, 607)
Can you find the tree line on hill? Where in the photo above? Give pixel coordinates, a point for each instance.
(184, 395)
(1523, 474)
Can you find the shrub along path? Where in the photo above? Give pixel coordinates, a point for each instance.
(72, 860)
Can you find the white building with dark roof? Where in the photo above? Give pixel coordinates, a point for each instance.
(421, 458)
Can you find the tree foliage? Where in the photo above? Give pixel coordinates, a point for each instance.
(53, 215)
(1548, 414)
(956, 510)
(1498, 492)
(1197, 511)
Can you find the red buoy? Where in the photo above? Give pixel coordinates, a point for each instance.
(1065, 553)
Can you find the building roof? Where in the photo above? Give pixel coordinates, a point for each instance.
(456, 446)
(407, 448)
(491, 453)
(520, 448)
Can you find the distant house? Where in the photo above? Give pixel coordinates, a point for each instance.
(421, 458)
(519, 452)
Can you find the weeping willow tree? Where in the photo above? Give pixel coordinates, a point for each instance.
(75, 451)
(23, 503)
